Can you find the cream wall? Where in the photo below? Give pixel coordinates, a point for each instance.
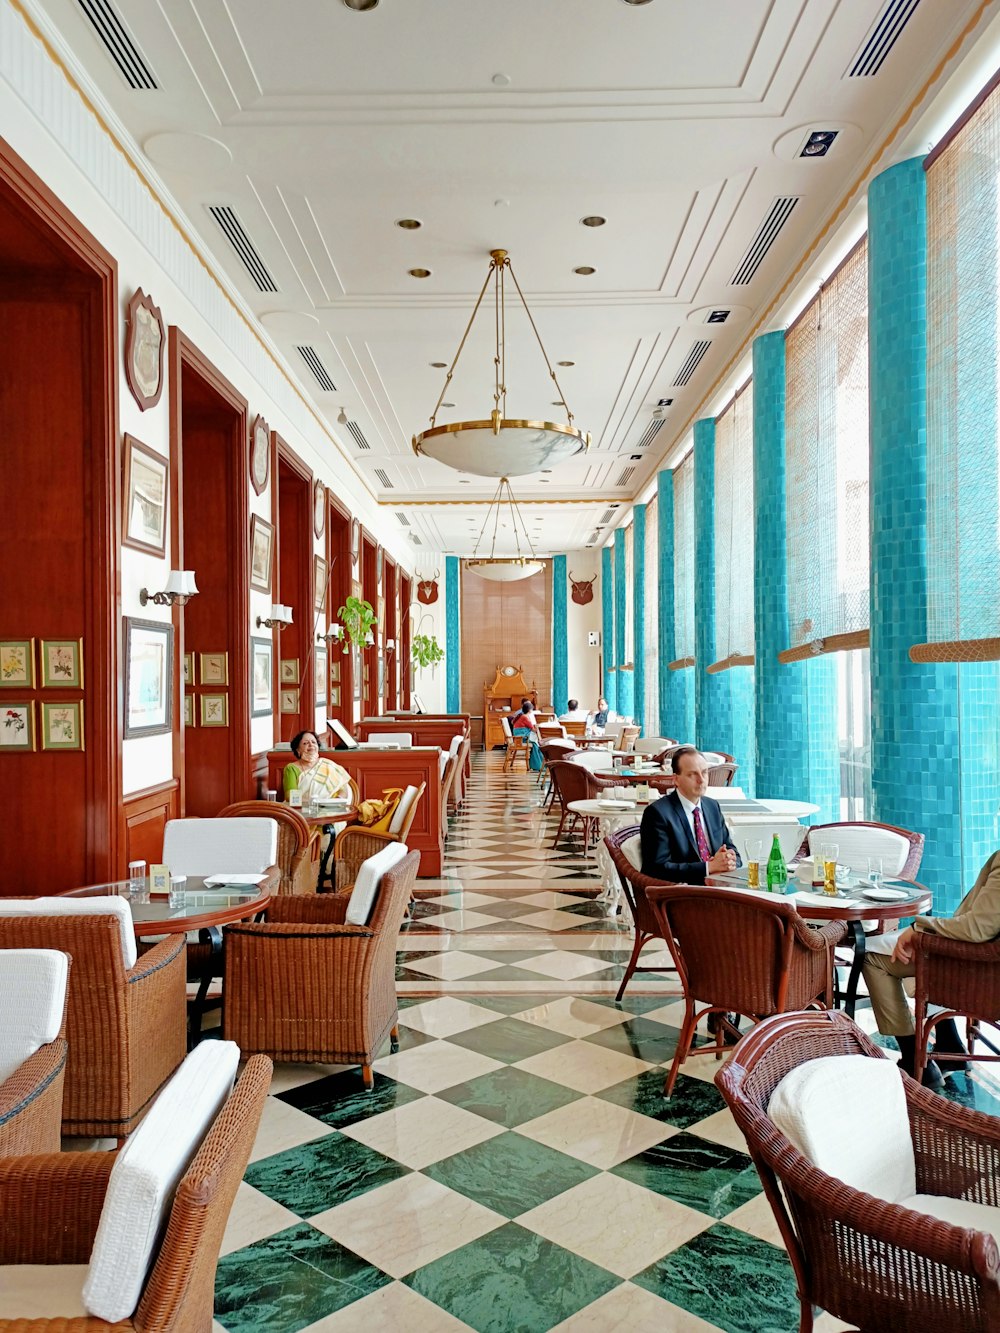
(583, 662)
(430, 683)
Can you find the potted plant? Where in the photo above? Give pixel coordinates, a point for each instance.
(357, 617)
(425, 651)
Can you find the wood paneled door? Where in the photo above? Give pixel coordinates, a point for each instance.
(295, 652)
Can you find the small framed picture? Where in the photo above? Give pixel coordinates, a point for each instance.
(62, 725)
(335, 671)
(214, 710)
(17, 664)
(261, 677)
(149, 672)
(261, 546)
(189, 668)
(214, 668)
(17, 726)
(319, 508)
(288, 701)
(355, 540)
(62, 664)
(321, 671)
(334, 696)
(260, 454)
(189, 710)
(289, 671)
(144, 493)
(319, 586)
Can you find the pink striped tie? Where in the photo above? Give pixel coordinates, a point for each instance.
(704, 851)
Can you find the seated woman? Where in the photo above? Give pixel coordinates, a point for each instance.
(317, 779)
(523, 724)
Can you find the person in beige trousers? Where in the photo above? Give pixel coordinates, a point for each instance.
(976, 920)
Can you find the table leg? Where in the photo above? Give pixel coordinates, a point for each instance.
(856, 930)
(324, 865)
(212, 936)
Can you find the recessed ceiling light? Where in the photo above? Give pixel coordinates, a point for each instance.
(546, 471)
(558, 402)
(440, 365)
(408, 224)
(363, 6)
(585, 270)
(419, 272)
(635, 2)
(447, 404)
(464, 483)
(565, 363)
(545, 481)
(501, 80)
(593, 220)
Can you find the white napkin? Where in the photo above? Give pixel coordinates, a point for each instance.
(232, 881)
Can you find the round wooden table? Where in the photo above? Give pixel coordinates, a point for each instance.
(324, 817)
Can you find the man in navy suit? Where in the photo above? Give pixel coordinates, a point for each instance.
(683, 835)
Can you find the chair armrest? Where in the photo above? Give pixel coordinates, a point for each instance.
(156, 995)
(324, 909)
(300, 930)
(819, 938)
(931, 946)
(50, 1205)
(161, 955)
(957, 1149)
(31, 1102)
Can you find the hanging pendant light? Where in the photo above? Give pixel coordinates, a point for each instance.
(504, 569)
(500, 446)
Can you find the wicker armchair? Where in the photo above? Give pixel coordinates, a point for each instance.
(570, 783)
(721, 775)
(630, 734)
(51, 1205)
(31, 1095)
(901, 849)
(746, 955)
(874, 1264)
(964, 980)
(516, 745)
(302, 986)
(448, 779)
(298, 845)
(127, 1030)
(357, 843)
(634, 884)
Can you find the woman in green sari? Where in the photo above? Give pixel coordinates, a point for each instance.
(317, 779)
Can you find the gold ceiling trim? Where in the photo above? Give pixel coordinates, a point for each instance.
(402, 503)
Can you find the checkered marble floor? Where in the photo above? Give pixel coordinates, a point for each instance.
(516, 1167)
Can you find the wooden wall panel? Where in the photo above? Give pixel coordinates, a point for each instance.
(294, 552)
(146, 814)
(506, 624)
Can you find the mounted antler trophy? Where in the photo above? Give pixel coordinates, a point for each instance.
(427, 589)
(583, 590)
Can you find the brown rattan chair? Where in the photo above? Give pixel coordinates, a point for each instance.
(298, 845)
(630, 734)
(901, 849)
(357, 843)
(304, 987)
(874, 1264)
(127, 1030)
(964, 980)
(516, 745)
(665, 755)
(749, 955)
(448, 777)
(51, 1205)
(721, 775)
(31, 1098)
(554, 749)
(570, 783)
(572, 729)
(634, 884)
(662, 782)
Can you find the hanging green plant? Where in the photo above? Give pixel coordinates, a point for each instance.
(425, 650)
(357, 617)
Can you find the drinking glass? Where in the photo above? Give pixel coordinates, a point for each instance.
(178, 888)
(272, 794)
(875, 871)
(138, 884)
(755, 850)
(829, 852)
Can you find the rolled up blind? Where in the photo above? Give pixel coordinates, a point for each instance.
(734, 622)
(651, 702)
(826, 443)
(684, 565)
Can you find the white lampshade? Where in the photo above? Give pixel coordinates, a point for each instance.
(369, 639)
(286, 614)
(504, 571)
(181, 583)
(518, 448)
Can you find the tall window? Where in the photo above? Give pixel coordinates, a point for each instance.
(651, 702)
(734, 614)
(854, 731)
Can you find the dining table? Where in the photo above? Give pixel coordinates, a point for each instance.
(324, 816)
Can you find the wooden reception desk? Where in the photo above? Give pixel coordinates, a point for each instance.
(424, 729)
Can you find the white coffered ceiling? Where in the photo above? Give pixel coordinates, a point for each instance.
(503, 124)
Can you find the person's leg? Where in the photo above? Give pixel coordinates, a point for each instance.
(885, 980)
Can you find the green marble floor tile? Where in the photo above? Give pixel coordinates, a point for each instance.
(511, 1281)
(509, 1039)
(635, 1004)
(508, 955)
(693, 1099)
(322, 1174)
(342, 1099)
(639, 1037)
(290, 1280)
(968, 1090)
(510, 1173)
(509, 1096)
(729, 1278)
(705, 1176)
(506, 974)
(508, 1004)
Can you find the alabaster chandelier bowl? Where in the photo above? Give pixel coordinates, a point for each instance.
(504, 568)
(497, 444)
(504, 571)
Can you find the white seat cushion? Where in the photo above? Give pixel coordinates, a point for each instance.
(856, 842)
(145, 1176)
(959, 1212)
(402, 740)
(596, 760)
(33, 984)
(456, 744)
(505, 724)
(109, 905)
(366, 886)
(443, 757)
(810, 1106)
(238, 846)
(402, 810)
(42, 1291)
(632, 847)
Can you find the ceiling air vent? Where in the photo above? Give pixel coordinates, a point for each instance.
(359, 438)
(691, 362)
(607, 516)
(404, 522)
(415, 539)
(232, 229)
(627, 474)
(767, 234)
(717, 317)
(320, 372)
(383, 477)
(650, 434)
(119, 44)
(882, 37)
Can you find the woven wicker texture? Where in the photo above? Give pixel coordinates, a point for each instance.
(31, 1102)
(634, 886)
(684, 559)
(734, 615)
(298, 845)
(959, 977)
(875, 1264)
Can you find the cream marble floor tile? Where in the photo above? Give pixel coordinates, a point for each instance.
(468, 898)
(827, 1323)
(435, 1066)
(756, 1217)
(253, 1217)
(583, 1066)
(616, 1224)
(393, 1307)
(445, 1017)
(554, 920)
(720, 1127)
(564, 965)
(549, 899)
(461, 920)
(293, 1076)
(282, 1127)
(631, 1309)
(423, 1132)
(412, 942)
(597, 1131)
(452, 965)
(573, 1016)
(407, 1223)
(217, 1327)
(672, 1013)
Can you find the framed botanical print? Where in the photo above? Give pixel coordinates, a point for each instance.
(62, 725)
(17, 725)
(288, 671)
(261, 677)
(189, 714)
(334, 696)
(319, 583)
(144, 494)
(319, 509)
(144, 344)
(260, 454)
(214, 710)
(321, 674)
(214, 668)
(288, 700)
(149, 672)
(261, 547)
(62, 664)
(189, 668)
(17, 664)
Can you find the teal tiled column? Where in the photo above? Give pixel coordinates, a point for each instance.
(639, 612)
(795, 703)
(626, 679)
(676, 687)
(560, 659)
(610, 690)
(453, 639)
(713, 719)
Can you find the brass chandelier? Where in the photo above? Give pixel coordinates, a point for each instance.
(500, 446)
(504, 569)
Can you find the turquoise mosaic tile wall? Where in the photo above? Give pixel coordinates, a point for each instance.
(453, 638)
(713, 715)
(795, 703)
(626, 679)
(608, 627)
(639, 612)
(676, 687)
(560, 659)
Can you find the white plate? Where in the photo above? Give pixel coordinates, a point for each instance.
(224, 881)
(616, 805)
(886, 895)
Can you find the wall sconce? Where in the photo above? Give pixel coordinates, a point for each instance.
(390, 647)
(180, 588)
(369, 640)
(280, 616)
(334, 634)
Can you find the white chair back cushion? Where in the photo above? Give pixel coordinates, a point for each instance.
(443, 757)
(632, 847)
(505, 724)
(366, 886)
(810, 1106)
(33, 984)
(202, 847)
(713, 757)
(145, 1176)
(400, 740)
(859, 841)
(402, 810)
(109, 905)
(456, 744)
(650, 744)
(595, 760)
